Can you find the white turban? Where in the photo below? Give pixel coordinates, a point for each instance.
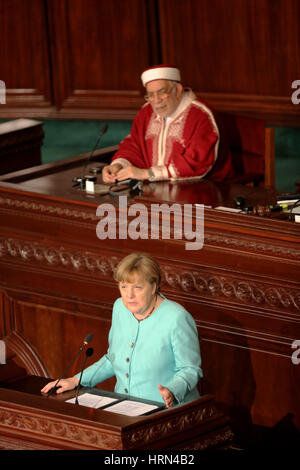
(161, 72)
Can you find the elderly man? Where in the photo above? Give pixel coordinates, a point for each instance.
(174, 135)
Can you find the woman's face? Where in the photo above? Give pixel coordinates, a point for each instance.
(137, 296)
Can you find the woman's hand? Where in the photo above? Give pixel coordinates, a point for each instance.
(63, 385)
(167, 396)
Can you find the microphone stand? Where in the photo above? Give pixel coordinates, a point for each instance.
(102, 132)
(88, 353)
(86, 341)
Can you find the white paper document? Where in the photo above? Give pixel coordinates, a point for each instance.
(93, 401)
(287, 201)
(228, 209)
(131, 408)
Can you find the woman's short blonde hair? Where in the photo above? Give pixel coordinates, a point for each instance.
(138, 264)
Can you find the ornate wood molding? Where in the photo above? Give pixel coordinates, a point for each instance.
(26, 354)
(53, 256)
(221, 439)
(231, 288)
(208, 284)
(183, 423)
(224, 241)
(251, 246)
(36, 422)
(45, 209)
(56, 428)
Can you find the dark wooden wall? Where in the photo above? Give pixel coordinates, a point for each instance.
(83, 58)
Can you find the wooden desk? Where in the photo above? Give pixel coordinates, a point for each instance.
(30, 421)
(242, 287)
(20, 144)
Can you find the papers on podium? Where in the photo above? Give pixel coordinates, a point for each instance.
(116, 405)
(131, 408)
(93, 401)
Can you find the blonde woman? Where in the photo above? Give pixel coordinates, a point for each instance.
(153, 349)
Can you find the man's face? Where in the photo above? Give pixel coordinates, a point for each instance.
(164, 96)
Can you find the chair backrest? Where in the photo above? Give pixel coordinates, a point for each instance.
(252, 148)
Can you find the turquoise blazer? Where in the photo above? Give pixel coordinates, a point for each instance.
(162, 350)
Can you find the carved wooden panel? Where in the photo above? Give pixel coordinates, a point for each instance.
(234, 53)
(24, 58)
(99, 50)
(83, 58)
(205, 283)
(242, 288)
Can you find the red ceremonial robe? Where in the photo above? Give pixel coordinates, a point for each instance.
(184, 145)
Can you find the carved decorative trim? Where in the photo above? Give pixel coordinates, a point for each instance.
(162, 430)
(214, 239)
(230, 288)
(201, 283)
(48, 209)
(251, 246)
(74, 434)
(57, 429)
(220, 440)
(8, 443)
(53, 256)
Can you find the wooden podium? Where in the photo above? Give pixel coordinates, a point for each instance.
(242, 288)
(32, 421)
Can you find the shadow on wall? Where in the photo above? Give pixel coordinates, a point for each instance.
(284, 436)
(228, 375)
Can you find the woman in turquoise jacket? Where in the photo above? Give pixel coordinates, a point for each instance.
(153, 348)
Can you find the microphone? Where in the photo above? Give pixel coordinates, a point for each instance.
(103, 130)
(86, 341)
(129, 181)
(133, 185)
(88, 353)
(239, 202)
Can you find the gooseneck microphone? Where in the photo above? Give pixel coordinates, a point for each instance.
(86, 341)
(88, 353)
(103, 130)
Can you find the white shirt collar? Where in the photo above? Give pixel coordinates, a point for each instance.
(187, 98)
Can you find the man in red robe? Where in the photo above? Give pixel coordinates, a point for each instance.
(174, 135)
